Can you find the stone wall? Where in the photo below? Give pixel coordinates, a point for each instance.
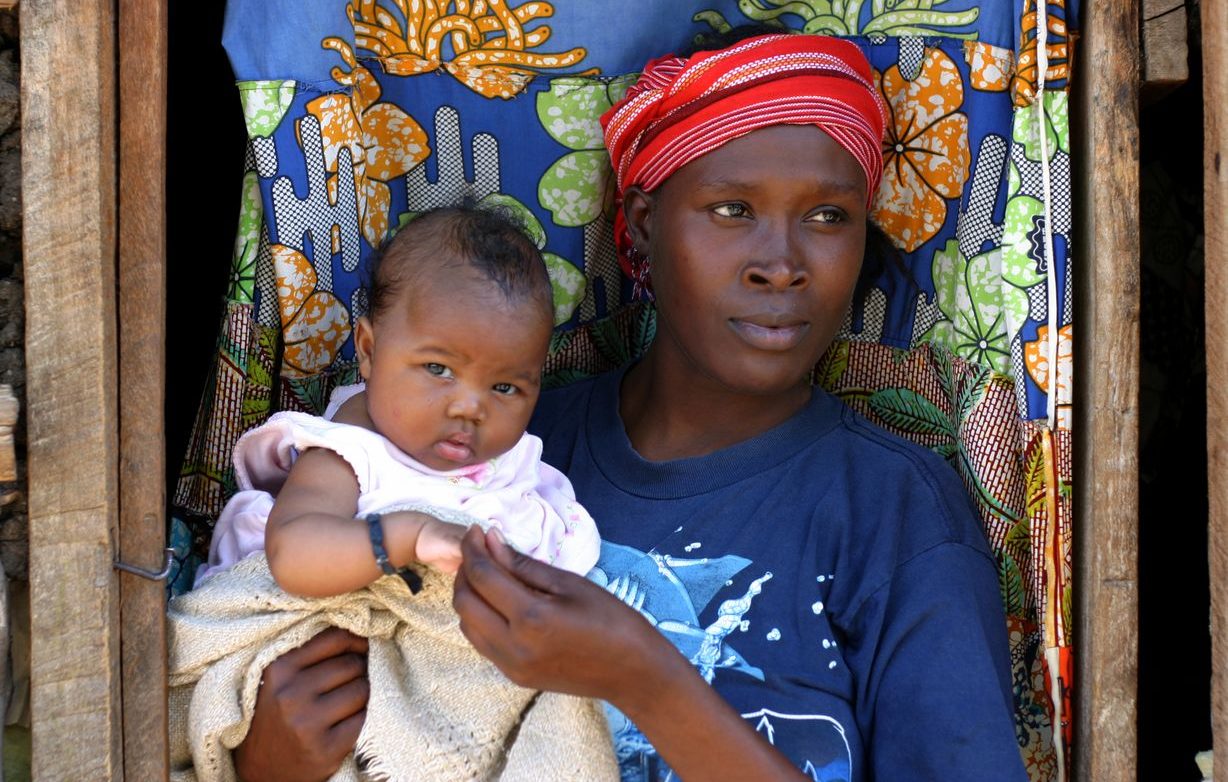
(13, 537)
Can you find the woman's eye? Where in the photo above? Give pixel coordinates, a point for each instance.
(506, 389)
(731, 210)
(830, 216)
(438, 370)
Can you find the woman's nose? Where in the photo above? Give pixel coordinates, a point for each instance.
(781, 272)
(777, 264)
(777, 275)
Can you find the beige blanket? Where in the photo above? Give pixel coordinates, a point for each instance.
(437, 711)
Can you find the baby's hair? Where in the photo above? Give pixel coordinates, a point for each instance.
(488, 239)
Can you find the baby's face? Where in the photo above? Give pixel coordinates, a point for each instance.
(453, 370)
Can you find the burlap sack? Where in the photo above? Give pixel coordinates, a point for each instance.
(438, 710)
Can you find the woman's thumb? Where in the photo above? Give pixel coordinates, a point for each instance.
(533, 573)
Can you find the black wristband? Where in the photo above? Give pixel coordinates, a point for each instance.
(375, 530)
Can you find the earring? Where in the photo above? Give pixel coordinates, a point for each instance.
(641, 280)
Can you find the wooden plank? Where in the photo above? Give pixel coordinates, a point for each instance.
(1165, 51)
(8, 419)
(1106, 131)
(68, 182)
(1215, 215)
(142, 362)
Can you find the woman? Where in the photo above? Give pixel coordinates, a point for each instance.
(828, 586)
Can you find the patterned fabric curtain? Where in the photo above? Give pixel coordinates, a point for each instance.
(361, 114)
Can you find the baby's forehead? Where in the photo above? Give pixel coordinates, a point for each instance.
(437, 271)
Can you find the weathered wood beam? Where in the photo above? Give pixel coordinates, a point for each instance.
(1105, 96)
(1215, 217)
(68, 184)
(1166, 52)
(142, 381)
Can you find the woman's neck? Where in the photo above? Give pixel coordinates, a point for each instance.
(671, 416)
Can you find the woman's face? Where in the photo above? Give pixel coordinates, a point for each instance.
(755, 250)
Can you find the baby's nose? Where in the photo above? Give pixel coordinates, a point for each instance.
(467, 405)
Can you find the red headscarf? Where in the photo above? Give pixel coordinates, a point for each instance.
(681, 109)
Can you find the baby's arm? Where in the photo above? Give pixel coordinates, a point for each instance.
(315, 545)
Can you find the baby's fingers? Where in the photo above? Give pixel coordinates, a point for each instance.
(439, 545)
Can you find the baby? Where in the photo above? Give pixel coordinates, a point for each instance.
(451, 354)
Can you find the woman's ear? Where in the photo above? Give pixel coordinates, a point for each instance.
(364, 345)
(638, 208)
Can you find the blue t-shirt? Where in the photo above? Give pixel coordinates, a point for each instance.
(830, 580)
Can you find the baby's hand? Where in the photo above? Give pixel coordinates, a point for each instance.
(439, 545)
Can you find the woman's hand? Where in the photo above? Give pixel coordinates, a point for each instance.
(549, 629)
(309, 711)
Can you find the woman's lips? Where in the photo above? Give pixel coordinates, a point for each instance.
(770, 333)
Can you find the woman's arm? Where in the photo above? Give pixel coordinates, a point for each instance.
(317, 548)
(552, 630)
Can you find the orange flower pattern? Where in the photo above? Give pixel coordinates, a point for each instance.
(1036, 359)
(314, 323)
(925, 151)
(488, 40)
(383, 141)
(1057, 47)
(994, 69)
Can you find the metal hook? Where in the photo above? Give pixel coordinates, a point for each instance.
(149, 574)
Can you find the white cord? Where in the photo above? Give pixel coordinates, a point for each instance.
(1052, 653)
(1042, 64)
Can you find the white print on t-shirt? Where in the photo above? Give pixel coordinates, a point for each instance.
(835, 765)
(671, 592)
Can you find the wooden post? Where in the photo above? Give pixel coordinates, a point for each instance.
(1215, 216)
(142, 362)
(1105, 97)
(68, 183)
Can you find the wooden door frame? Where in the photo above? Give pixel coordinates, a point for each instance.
(94, 128)
(1106, 267)
(1215, 215)
(93, 173)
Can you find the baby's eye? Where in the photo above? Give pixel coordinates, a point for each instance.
(438, 370)
(830, 216)
(506, 389)
(731, 210)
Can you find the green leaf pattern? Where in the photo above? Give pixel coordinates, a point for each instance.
(573, 188)
(576, 188)
(265, 104)
(247, 241)
(567, 285)
(1057, 126)
(571, 111)
(1010, 582)
(844, 17)
(982, 310)
(909, 411)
